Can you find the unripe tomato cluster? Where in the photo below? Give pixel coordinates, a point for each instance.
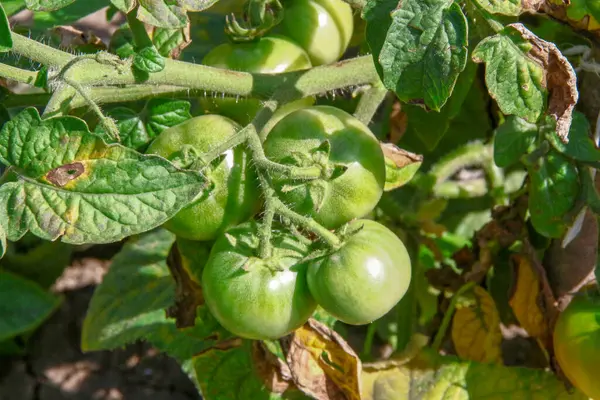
(256, 297)
(312, 33)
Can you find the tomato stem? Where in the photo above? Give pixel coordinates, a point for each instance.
(326, 235)
(441, 333)
(369, 102)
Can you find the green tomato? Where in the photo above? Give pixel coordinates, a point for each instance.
(577, 344)
(321, 27)
(234, 195)
(252, 297)
(268, 55)
(350, 155)
(363, 279)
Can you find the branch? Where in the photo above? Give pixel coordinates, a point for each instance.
(89, 72)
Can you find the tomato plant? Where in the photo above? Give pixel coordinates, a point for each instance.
(349, 281)
(576, 343)
(254, 297)
(233, 197)
(353, 169)
(304, 198)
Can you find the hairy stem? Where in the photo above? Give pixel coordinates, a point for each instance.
(327, 236)
(39, 52)
(357, 71)
(17, 74)
(233, 141)
(370, 102)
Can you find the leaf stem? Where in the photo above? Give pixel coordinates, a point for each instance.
(138, 29)
(233, 141)
(441, 333)
(370, 102)
(368, 345)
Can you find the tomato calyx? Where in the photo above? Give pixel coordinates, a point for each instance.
(259, 17)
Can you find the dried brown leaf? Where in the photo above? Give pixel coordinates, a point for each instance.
(399, 156)
(527, 300)
(322, 364)
(275, 373)
(560, 79)
(71, 37)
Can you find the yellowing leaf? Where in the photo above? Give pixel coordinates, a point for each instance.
(476, 329)
(524, 301)
(322, 364)
(432, 377)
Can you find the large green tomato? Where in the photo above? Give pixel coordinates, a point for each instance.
(577, 344)
(321, 27)
(268, 55)
(362, 280)
(352, 161)
(255, 298)
(234, 196)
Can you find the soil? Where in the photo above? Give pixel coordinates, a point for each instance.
(54, 368)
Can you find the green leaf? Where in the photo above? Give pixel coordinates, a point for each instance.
(23, 305)
(149, 60)
(43, 20)
(231, 372)
(430, 127)
(38, 260)
(11, 7)
(5, 35)
(514, 138)
(424, 51)
(579, 9)
(121, 43)
(581, 146)
(171, 42)
(506, 57)
(2, 241)
(553, 189)
(503, 7)
(47, 5)
(130, 303)
(124, 5)
(166, 14)
(41, 79)
(138, 129)
(72, 185)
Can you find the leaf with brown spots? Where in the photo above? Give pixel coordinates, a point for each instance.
(561, 81)
(322, 364)
(476, 329)
(71, 185)
(545, 84)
